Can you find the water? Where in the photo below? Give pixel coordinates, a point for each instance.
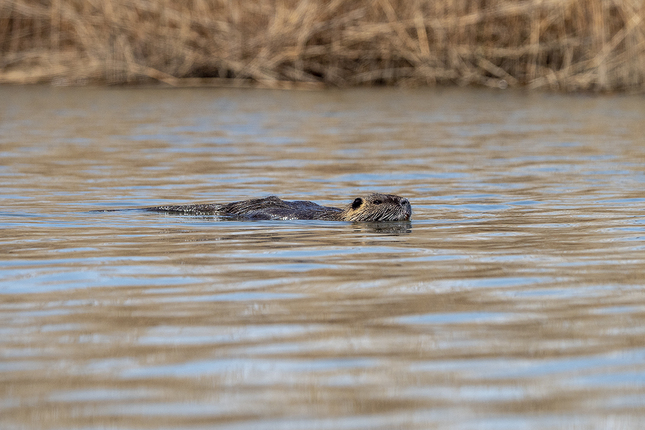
(514, 298)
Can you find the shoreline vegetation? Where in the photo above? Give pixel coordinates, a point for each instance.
(563, 45)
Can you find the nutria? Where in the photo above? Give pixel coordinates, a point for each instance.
(373, 207)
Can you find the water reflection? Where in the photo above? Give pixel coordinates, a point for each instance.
(390, 228)
(513, 298)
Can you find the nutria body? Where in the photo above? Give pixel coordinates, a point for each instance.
(371, 208)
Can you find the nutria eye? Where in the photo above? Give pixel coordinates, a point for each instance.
(357, 203)
(377, 202)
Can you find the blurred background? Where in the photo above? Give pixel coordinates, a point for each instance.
(557, 44)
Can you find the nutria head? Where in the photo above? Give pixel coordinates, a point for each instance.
(378, 207)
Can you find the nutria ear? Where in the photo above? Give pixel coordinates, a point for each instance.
(357, 203)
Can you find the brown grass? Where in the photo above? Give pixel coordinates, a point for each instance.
(559, 44)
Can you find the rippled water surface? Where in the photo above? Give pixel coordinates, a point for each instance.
(514, 299)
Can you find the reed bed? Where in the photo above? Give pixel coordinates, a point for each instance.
(558, 44)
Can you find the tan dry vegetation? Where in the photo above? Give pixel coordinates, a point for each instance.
(558, 44)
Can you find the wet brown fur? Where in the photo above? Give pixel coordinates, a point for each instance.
(371, 208)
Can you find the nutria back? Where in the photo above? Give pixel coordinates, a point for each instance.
(372, 208)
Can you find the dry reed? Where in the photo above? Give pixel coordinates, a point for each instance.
(559, 44)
